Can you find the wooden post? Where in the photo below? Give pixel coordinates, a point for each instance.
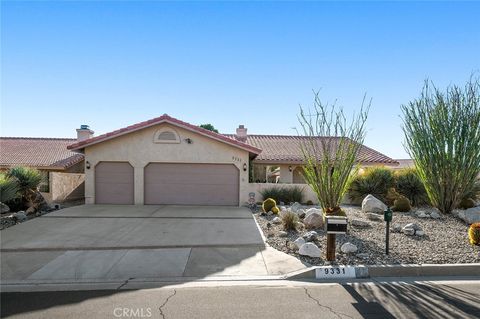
(331, 247)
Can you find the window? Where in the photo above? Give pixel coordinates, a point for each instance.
(44, 185)
(166, 135)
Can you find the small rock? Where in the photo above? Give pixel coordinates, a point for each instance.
(20, 216)
(282, 233)
(370, 204)
(310, 249)
(310, 236)
(348, 248)
(277, 220)
(4, 208)
(419, 233)
(299, 242)
(359, 223)
(374, 216)
(313, 220)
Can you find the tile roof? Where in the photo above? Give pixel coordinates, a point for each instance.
(286, 149)
(48, 153)
(165, 118)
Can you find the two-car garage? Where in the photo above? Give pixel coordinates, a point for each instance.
(169, 184)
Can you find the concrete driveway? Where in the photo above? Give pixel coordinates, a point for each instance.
(110, 242)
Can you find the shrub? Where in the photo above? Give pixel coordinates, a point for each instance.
(375, 180)
(284, 194)
(8, 189)
(408, 184)
(474, 234)
(467, 203)
(289, 220)
(402, 204)
(268, 204)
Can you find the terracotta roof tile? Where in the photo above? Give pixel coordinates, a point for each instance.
(37, 152)
(286, 149)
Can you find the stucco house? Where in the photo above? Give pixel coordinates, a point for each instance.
(168, 161)
(62, 169)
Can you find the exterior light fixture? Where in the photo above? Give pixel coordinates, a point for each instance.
(87, 165)
(290, 168)
(244, 167)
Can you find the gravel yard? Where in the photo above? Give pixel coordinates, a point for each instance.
(445, 240)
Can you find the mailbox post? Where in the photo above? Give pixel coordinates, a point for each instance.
(334, 225)
(387, 216)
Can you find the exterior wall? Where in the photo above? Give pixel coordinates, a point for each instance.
(138, 148)
(65, 186)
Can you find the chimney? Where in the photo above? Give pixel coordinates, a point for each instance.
(241, 133)
(84, 133)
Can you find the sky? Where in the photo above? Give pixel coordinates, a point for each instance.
(110, 64)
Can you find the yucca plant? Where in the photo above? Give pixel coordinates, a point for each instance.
(330, 146)
(28, 179)
(8, 189)
(442, 131)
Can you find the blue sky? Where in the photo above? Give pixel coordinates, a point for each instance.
(110, 64)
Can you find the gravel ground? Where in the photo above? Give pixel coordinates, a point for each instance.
(445, 241)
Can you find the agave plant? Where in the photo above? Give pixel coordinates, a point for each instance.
(442, 131)
(8, 189)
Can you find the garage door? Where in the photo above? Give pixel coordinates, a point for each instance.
(113, 183)
(191, 184)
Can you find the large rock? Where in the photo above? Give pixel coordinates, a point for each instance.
(310, 249)
(348, 248)
(370, 204)
(471, 215)
(313, 220)
(4, 208)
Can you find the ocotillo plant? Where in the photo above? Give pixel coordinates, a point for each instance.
(442, 133)
(330, 145)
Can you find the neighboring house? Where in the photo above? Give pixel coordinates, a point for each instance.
(61, 169)
(167, 161)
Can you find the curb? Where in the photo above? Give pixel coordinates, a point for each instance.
(402, 270)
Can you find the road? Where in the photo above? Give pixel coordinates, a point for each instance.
(279, 299)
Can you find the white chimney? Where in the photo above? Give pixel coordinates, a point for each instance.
(84, 133)
(241, 133)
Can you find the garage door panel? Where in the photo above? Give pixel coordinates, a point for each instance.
(191, 184)
(114, 183)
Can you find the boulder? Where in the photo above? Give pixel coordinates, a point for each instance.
(348, 248)
(4, 208)
(20, 216)
(359, 223)
(277, 220)
(370, 204)
(471, 215)
(310, 236)
(313, 220)
(374, 217)
(299, 242)
(310, 250)
(282, 233)
(295, 206)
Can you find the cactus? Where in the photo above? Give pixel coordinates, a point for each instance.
(402, 204)
(268, 204)
(474, 234)
(467, 203)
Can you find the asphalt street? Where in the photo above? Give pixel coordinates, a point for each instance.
(280, 299)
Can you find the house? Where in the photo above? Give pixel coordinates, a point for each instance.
(168, 161)
(61, 169)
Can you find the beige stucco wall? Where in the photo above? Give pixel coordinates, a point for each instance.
(138, 149)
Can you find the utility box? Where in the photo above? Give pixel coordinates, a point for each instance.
(335, 224)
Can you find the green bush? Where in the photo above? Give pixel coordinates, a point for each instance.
(289, 220)
(268, 205)
(375, 180)
(286, 195)
(408, 184)
(8, 189)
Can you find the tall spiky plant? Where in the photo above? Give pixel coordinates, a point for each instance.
(442, 133)
(329, 160)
